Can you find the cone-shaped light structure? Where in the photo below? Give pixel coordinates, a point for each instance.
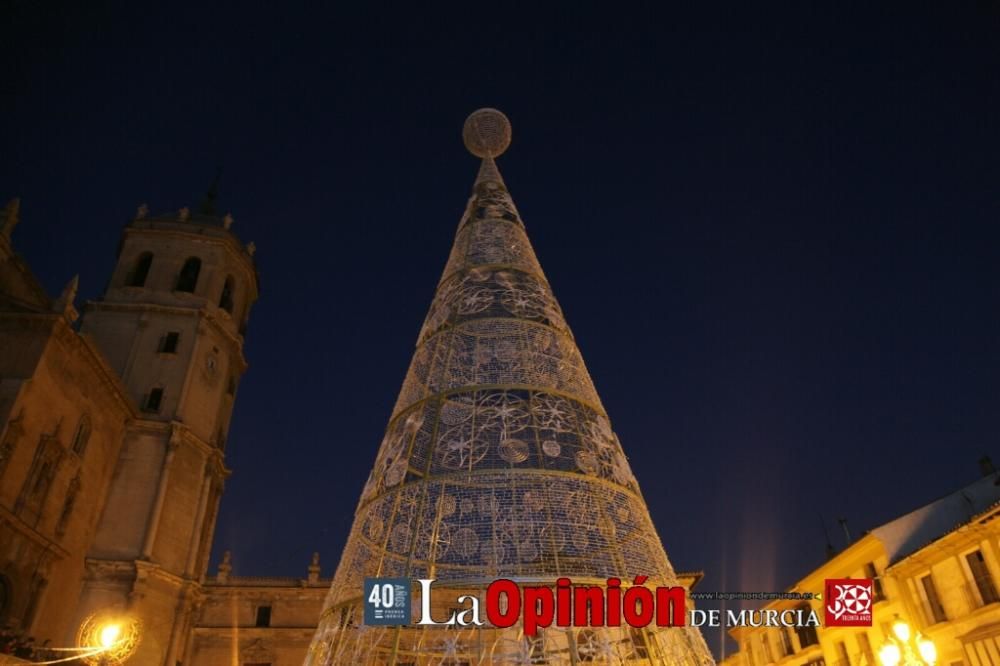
(498, 462)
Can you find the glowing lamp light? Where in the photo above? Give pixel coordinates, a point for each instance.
(905, 647)
(928, 651)
(889, 654)
(109, 634)
(107, 638)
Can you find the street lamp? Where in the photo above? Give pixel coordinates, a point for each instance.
(108, 639)
(905, 647)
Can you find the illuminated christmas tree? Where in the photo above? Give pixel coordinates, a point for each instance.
(498, 462)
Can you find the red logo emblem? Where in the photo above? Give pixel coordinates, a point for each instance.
(848, 602)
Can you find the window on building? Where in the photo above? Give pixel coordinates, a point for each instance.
(140, 271)
(807, 635)
(843, 659)
(981, 577)
(168, 344)
(187, 280)
(226, 299)
(153, 400)
(263, 616)
(866, 649)
(38, 482)
(765, 645)
(872, 572)
(784, 643)
(82, 435)
(935, 609)
(68, 504)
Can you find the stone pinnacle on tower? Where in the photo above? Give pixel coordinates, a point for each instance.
(498, 461)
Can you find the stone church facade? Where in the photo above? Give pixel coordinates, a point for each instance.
(112, 440)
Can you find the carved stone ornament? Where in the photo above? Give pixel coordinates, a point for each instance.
(210, 370)
(257, 653)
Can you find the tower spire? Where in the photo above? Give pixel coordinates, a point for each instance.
(208, 203)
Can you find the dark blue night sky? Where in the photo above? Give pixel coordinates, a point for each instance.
(774, 232)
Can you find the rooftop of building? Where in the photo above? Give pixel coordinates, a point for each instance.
(917, 529)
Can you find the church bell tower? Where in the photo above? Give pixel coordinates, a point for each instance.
(171, 324)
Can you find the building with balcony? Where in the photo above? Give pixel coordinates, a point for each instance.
(937, 568)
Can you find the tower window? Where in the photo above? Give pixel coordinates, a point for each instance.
(187, 280)
(263, 616)
(82, 435)
(137, 277)
(226, 300)
(231, 388)
(153, 400)
(168, 345)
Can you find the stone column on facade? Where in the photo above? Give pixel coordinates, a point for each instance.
(161, 494)
(193, 611)
(180, 622)
(206, 547)
(137, 340)
(189, 373)
(196, 532)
